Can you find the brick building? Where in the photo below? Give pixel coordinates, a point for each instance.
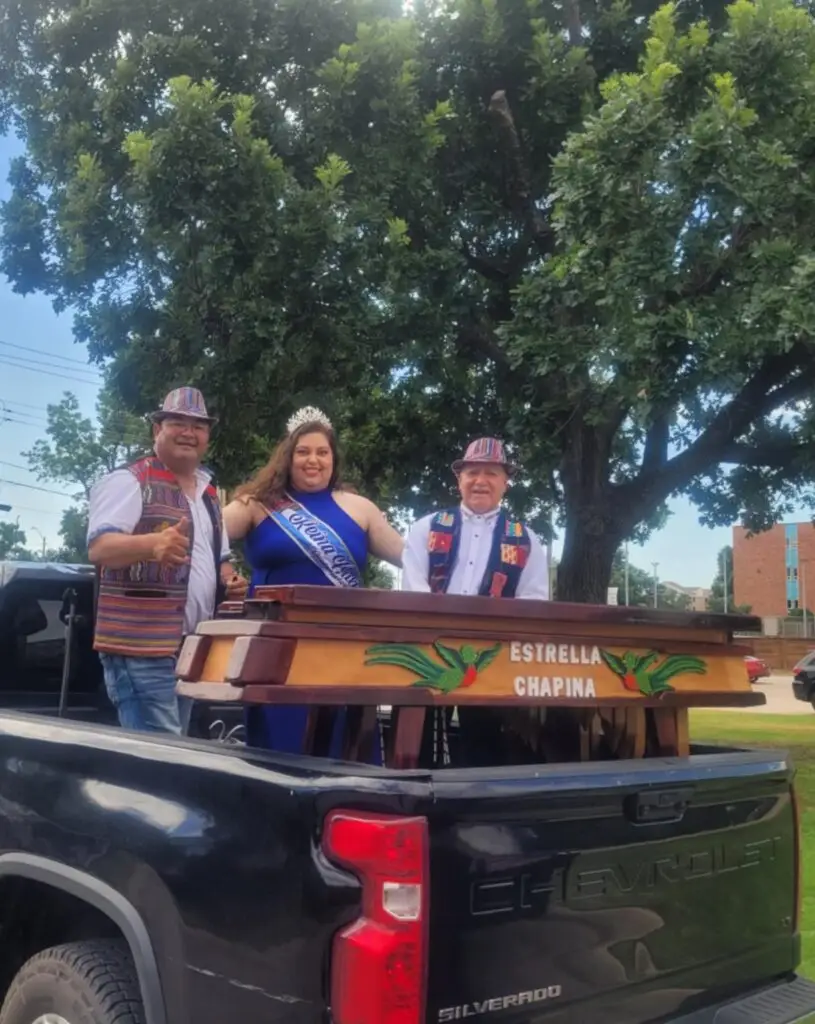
(774, 571)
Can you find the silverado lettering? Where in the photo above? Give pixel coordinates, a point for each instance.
(479, 1007)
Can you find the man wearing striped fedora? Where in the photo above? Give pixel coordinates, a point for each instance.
(477, 548)
(155, 533)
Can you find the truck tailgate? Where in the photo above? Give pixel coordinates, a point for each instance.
(611, 893)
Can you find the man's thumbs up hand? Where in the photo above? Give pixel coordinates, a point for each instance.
(172, 544)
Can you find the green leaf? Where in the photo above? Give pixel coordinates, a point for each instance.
(333, 172)
(677, 665)
(421, 666)
(486, 657)
(406, 654)
(451, 656)
(645, 661)
(428, 684)
(614, 663)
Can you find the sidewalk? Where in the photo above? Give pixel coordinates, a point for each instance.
(780, 700)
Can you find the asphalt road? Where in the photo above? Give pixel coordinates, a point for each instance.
(780, 700)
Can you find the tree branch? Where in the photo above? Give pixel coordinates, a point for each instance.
(484, 267)
(475, 338)
(520, 187)
(768, 389)
(574, 23)
(707, 279)
(703, 283)
(769, 455)
(655, 455)
(509, 271)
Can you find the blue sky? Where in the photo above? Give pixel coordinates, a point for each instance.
(39, 361)
(52, 364)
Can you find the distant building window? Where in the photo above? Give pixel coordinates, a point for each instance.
(792, 540)
(792, 572)
(792, 604)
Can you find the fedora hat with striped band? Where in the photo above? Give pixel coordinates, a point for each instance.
(484, 450)
(186, 402)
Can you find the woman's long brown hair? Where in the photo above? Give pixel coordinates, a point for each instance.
(271, 481)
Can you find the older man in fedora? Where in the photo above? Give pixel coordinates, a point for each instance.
(476, 549)
(156, 535)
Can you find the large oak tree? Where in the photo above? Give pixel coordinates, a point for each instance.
(587, 227)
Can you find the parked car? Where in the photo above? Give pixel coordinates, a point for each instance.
(756, 668)
(803, 681)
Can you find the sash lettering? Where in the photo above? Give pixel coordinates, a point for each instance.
(319, 542)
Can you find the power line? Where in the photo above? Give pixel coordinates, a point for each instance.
(121, 419)
(13, 465)
(127, 433)
(40, 511)
(23, 405)
(45, 352)
(34, 487)
(6, 411)
(7, 361)
(48, 362)
(23, 360)
(28, 417)
(23, 423)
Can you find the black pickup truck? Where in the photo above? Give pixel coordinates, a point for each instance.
(150, 880)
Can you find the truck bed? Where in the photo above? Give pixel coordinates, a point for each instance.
(599, 893)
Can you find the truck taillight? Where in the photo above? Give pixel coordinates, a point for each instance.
(379, 962)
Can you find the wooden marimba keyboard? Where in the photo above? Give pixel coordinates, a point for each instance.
(620, 679)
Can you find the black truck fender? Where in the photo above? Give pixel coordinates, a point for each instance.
(109, 902)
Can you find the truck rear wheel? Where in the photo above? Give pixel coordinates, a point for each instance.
(91, 982)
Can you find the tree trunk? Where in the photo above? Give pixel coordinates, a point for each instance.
(592, 540)
(595, 523)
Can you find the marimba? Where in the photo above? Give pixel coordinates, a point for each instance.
(571, 681)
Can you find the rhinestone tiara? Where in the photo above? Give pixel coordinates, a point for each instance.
(308, 414)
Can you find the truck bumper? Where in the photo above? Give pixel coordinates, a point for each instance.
(800, 690)
(788, 1002)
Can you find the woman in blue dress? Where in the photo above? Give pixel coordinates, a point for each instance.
(301, 526)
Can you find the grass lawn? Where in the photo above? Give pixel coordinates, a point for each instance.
(795, 733)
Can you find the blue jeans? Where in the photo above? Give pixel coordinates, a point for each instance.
(143, 692)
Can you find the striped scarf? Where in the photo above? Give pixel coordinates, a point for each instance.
(509, 554)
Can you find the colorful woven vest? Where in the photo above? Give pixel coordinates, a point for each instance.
(140, 609)
(508, 555)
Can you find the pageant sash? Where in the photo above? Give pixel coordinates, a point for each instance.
(318, 541)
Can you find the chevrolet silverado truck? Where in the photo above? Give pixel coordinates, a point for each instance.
(152, 880)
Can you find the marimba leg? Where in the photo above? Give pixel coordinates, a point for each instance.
(405, 737)
(319, 728)
(360, 733)
(672, 731)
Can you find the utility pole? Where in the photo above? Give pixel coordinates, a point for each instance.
(628, 596)
(656, 584)
(724, 575)
(804, 595)
(42, 537)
